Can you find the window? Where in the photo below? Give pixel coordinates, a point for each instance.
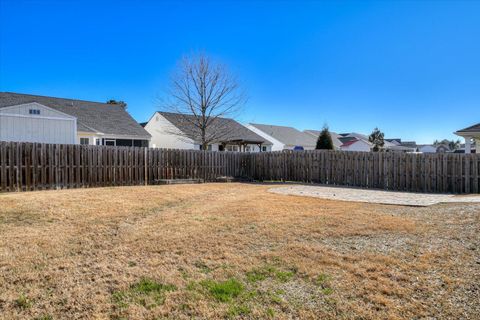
(264, 148)
(232, 148)
(84, 140)
(109, 142)
(34, 111)
(98, 141)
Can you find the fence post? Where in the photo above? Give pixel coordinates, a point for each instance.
(145, 165)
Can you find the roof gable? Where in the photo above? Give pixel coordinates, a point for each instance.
(38, 106)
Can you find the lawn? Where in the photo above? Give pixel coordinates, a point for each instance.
(232, 251)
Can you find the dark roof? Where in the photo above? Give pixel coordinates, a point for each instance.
(350, 142)
(91, 116)
(347, 139)
(474, 128)
(231, 130)
(287, 135)
(409, 144)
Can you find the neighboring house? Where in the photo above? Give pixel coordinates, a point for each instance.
(284, 138)
(335, 137)
(31, 118)
(409, 144)
(426, 148)
(395, 141)
(176, 131)
(355, 144)
(430, 148)
(471, 135)
(400, 148)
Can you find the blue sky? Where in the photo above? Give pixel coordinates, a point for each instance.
(410, 68)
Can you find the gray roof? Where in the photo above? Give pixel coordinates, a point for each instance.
(229, 130)
(474, 128)
(287, 135)
(335, 137)
(91, 116)
(359, 136)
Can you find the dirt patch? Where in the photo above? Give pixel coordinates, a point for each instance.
(232, 251)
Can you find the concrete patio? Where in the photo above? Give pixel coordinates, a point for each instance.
(373, 196)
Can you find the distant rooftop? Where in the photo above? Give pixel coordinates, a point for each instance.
(287, 135)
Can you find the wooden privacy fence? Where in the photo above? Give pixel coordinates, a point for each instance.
(436, 173)
(32, 166)
(35, 166)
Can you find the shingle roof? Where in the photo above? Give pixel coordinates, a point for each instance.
(287, 135)
(474, 128)
(231, 130)
(91, 116)
(335, 136)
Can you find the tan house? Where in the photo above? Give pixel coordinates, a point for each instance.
(470, 134)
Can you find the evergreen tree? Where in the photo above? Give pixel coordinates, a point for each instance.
(376, 138)
(324, 141)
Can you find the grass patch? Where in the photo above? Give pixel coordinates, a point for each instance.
(238, 310)
(202, 266)
(323, 282)
(223, 291)
(146, 292)
(271, 272)
(23, 302)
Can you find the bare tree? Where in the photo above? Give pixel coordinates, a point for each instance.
(201, 92)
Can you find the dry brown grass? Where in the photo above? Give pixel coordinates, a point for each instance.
(80, 254)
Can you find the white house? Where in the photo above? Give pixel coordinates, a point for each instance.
(31, 118)
(471, 135)
(356, 145)
(284, 138)
(177, 131)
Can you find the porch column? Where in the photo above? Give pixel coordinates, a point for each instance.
(468, 144)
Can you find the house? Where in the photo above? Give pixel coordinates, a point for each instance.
(33, 118)
(427, 148)
(430, 148)
(177, 131)
(284, 138)
(355, 144)
(399, 148)
(471, 135)
(335, 137)
(394, 141)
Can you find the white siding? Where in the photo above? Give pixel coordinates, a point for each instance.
(277, 145)
(163, 136)
(50, 126)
